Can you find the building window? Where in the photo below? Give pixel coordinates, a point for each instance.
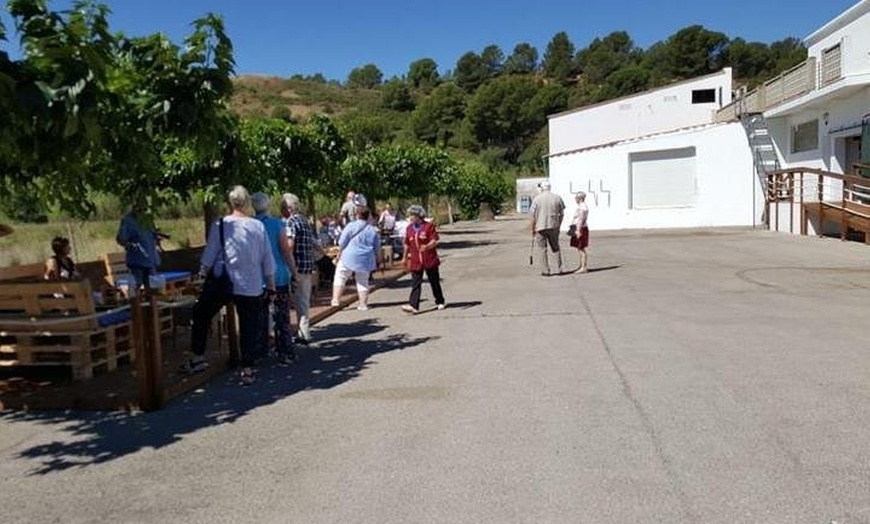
(805, 137)
(703, 96)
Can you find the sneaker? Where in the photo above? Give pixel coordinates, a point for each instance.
(408, 308)
(195, 365)
(334, 303)
(362, 307)
(246, 377)
(441, 306)
(301, 340)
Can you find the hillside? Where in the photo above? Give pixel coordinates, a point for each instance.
(259, 96)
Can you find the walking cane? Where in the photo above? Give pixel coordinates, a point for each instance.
(532, 252)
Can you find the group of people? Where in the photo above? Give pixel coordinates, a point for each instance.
(547, 212)
(257, 262)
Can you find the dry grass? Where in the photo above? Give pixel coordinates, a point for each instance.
(31, 243)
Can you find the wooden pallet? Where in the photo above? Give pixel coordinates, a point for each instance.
(85, 353)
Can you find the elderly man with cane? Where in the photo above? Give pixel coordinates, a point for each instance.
(547, 211)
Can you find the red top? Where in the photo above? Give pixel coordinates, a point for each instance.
(414, 238)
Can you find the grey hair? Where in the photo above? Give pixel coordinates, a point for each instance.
(417, 210)
(239, 197)
(580, 194)
(261, 202)
(290, 201)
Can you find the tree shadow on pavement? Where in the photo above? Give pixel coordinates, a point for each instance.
(340, 355)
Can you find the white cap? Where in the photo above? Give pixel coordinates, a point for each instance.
(545, 184)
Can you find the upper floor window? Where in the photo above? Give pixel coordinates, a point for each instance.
(703, 96)
(805, 137)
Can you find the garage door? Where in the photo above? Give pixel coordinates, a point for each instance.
(663, 178)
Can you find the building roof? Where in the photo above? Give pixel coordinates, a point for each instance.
(697, 127)
(726, 70)
(845, 18)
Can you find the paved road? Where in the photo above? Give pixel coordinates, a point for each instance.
(693, 377)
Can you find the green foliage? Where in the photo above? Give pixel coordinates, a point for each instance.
(437, 118)
(605, 56)
(423, 74)
(470, 72)
(558, 62)
(367, 76)
(695, 51)
(493, 60)
(508, 110)
(523, 60)
(477, 184)
(364, 129)
(396, 95)
(399, 171)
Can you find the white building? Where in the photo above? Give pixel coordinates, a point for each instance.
(815, 113)
(657, 159)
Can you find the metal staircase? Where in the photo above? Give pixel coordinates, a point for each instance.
(764, 155)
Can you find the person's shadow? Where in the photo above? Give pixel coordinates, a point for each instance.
(339, 355)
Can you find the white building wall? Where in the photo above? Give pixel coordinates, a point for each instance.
(852, 30)
(837, 119)
(656, 111)
(727, 191)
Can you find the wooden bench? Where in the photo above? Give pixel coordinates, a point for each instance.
(56, 323)
(118, 275)
(22, 272)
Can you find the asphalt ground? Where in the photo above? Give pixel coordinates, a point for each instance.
(698, 376)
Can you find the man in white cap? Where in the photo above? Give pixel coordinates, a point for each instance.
(547, 211)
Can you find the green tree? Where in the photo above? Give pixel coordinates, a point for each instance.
(626, 81)
(498, 113)
(396, 95)
(750, 60)
(98, 111)
(786, 54)
(423, 74)
(364, 129)
(558, 62)
(606, 55)
(695, 51)
(523, 60)
(437, 118)
(493, 60)
(367, 76)
(470, 72)
(476, 184)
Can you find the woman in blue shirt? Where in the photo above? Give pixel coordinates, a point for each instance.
(359, 245)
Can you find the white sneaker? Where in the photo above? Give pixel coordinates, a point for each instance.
(408, 308)
(362, 307)
(441, 306)
(334, 303)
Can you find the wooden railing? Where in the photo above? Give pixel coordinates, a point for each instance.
(845, 198)
(797, 81)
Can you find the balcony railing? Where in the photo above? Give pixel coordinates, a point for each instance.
(797, 81)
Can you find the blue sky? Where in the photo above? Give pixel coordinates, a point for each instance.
(280, 37)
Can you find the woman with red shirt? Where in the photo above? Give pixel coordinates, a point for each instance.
(421, 239)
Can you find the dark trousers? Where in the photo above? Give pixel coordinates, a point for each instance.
(417, 283)
(281, 320)
(249, 311)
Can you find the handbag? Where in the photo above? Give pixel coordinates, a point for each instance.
(572, 230)
(223, 284)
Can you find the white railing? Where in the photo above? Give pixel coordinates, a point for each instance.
(797, 81)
